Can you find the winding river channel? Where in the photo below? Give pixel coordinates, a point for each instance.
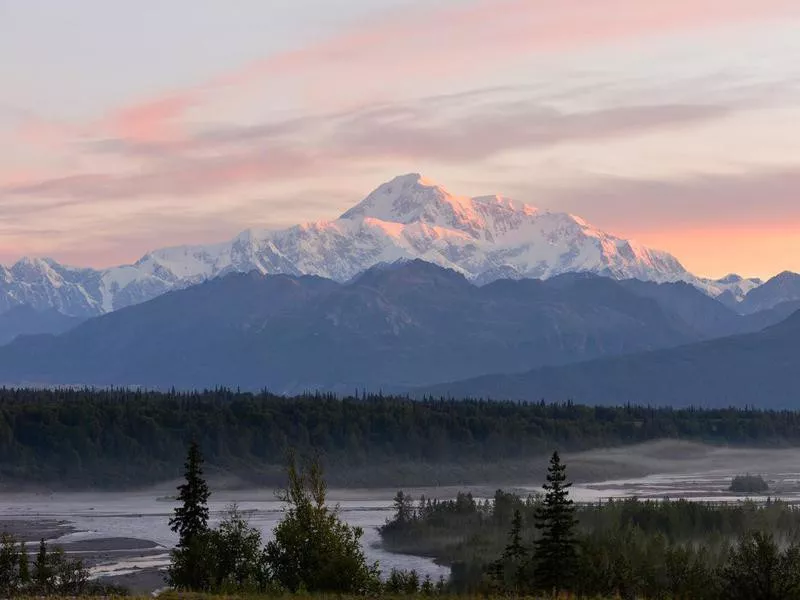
(129, 532)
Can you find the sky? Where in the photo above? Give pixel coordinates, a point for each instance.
(128, 126)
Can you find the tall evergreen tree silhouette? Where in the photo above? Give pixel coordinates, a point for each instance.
(510, 570)
(190, 522)
(24, 565)
(42, 573)
(191, 517)
(555, 551)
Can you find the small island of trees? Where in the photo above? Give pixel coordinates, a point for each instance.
(748, 484)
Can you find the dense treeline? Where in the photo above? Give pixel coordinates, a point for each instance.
(124, 437)
(457, 530)
(623, 549)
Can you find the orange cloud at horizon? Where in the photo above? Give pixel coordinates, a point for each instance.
(751, 252)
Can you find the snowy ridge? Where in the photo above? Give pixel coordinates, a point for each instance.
(485, 238)
(732, 288)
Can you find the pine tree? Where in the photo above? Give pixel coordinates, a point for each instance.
(555, 551)
(24, 566)
(189, 569)
(42, 573)
(9, 563)
(191, 517)
(404, 508)
(510, 569)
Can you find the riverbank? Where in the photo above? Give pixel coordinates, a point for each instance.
(125, 537)
(133, 563)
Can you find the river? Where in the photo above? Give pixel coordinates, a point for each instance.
(134, 518)
(144, 516)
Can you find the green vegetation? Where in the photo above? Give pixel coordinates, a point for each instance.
(313, 550)
(628, 549)
(188, 568)
(52, 573)
(123, 438)
(748, 484)
(555, 549)
(631, 549)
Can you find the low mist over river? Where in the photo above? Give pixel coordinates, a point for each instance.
(128, 533)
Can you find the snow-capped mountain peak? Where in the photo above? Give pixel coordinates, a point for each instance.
(414, 199)
(731, 289)
(409, 217)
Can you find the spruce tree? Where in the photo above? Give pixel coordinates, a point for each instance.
(189, 569)
(555, 551)
(24, 568)
(191, 517)
(510, 570)
(404, 508)
(42, 573)
(9, 563)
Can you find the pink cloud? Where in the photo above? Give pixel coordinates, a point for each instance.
(430, 43)
(410, 132)
(179, 177)
(365, 64)
(463, 39)
(18, 177)
(151, 121)
(527, 25)
(41, 132)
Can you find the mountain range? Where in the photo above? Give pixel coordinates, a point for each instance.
(759, 369)
(410, 288)
(395, 327)
(484, 238)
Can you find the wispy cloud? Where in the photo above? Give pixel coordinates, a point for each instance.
(351, 105)
(465, 38)
(423, 131)
(472, 35)
(152, 121)
(500, 128)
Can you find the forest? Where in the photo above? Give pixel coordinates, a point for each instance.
(542, 546)
(122, 438)
(618, 549)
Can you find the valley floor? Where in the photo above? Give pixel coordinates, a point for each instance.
(125, 537)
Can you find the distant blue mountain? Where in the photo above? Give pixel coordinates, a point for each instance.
(394, 327)
(26, 320)
(759, 369)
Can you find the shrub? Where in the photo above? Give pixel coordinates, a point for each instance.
(748, 484)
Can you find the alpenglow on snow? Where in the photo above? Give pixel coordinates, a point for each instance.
(485, 238)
